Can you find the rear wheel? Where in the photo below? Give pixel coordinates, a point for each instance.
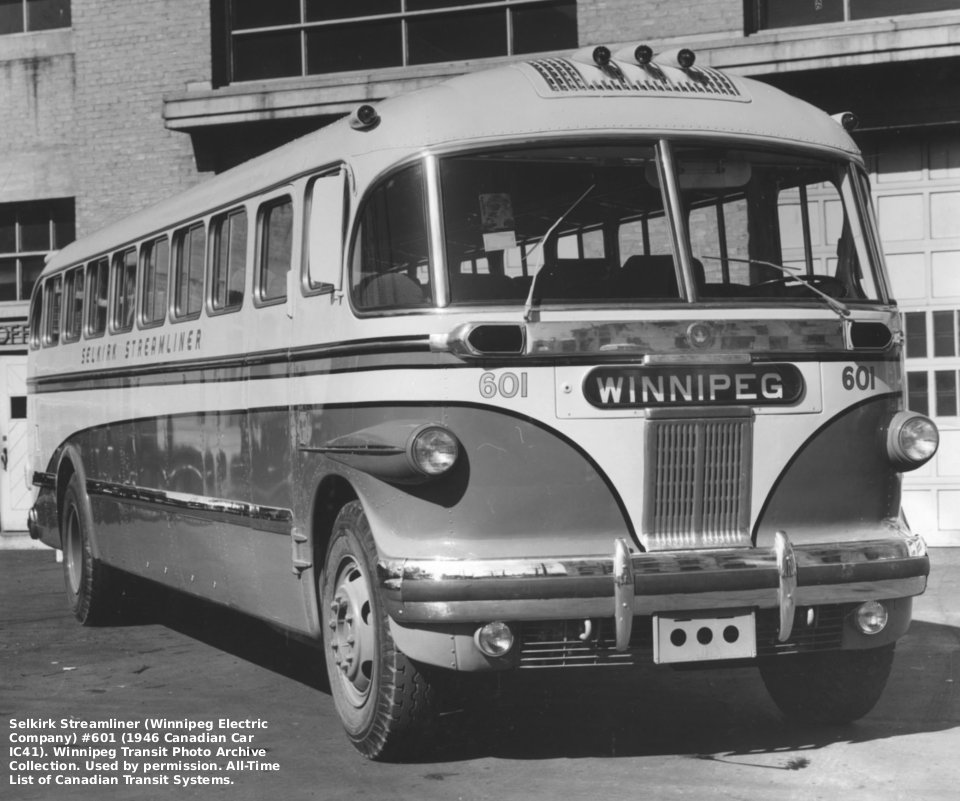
(386, 702)
(92, 588)
(830, 687)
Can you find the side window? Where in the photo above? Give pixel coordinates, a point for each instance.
(228, 238)
(390, 249)
(36, 315)
(325, 232)
(274, 249)
(98, 286)
(124, 289)
(189, 245)
(156, 268)
(52, 293)
(73, 305)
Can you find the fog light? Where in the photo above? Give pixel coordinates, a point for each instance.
(872, 617)
(433, 450)
(494, 639)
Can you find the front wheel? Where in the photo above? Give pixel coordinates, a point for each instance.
(386, 702)
(828, 688)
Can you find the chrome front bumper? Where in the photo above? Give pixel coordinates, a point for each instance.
(625, 584)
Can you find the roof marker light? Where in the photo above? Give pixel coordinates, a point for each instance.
(847, 120)
(364, 118)
(643, 54)
(601, 56)
(683, 57)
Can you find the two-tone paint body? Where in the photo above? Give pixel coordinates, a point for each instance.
(216, 452)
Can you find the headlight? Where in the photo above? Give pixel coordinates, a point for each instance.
(912, 440)
(433, 450)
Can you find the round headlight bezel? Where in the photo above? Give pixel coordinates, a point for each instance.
(912, 440)
(433, 450)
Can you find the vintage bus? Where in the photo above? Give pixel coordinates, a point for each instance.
(581, 361)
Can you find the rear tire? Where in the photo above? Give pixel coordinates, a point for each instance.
(93, 589)
(386, 702)
(832, 687)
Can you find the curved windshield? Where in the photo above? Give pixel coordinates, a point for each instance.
(589, 225)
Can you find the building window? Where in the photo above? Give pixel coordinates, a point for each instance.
(22, 16)
(932, 346)
(28, 232)
(289, 38)
(765, 14)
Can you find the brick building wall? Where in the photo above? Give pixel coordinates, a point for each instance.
(37, 123)
(601, 21)
(128, 55)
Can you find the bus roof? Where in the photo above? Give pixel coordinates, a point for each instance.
(590, 92)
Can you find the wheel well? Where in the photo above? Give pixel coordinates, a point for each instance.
(332, 493)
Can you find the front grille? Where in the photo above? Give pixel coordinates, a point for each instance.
(698, 482)
(560, 643)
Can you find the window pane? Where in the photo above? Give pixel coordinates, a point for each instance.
(229, 260)
(427, 5)
(52, 293)
(391, 245)
(8, 279)
(918, 398)
(916, 330)
(370, 45)
(452, 37)
(258, 14)
(98, 287)
(266, 55)
(869, 9)
(11, 16)
(34, 227)
(64, 225)
(125, 288)
(786, 13)
(946, 383)
(548, 27)
(156, 267)
(276, 249)
(319, 10)
(189, 271)
(944, 333)
(43, 15)
(8, 228)
(73, 299)
(30, 269)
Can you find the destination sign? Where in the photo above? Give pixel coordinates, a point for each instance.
(636, 387)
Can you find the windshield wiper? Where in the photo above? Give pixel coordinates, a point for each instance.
(528, 306)
(791, 272)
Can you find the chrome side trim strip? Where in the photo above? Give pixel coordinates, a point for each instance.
(270, 518)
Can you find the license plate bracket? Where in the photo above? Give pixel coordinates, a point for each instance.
(704, 637)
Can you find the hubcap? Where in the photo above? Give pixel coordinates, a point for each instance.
(351, 632)
(73, 550)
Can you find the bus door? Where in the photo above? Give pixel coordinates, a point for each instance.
(14, 491)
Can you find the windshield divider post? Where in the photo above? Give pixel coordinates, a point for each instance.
(438, 254)
(666, 164)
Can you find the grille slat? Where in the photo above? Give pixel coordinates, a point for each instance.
(698, 483)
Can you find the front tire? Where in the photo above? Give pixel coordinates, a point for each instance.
(386, 702)
(831, 687)
(92, 587)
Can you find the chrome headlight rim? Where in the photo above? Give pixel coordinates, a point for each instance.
(912, 440)
(433, 450)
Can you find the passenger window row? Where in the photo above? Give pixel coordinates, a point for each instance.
(169, 278)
